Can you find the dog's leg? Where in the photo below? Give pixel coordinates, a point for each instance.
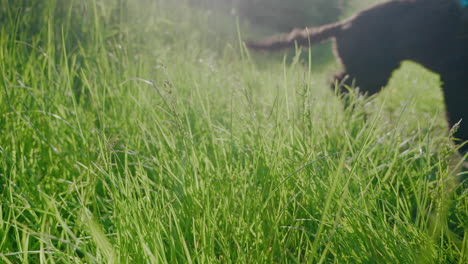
(341, 82)
(367, 83)
(455, 90)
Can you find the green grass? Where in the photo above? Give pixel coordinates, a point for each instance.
(141, 132)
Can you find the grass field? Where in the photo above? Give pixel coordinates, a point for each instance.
(142, 132)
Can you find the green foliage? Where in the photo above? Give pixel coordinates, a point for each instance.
(141, 132)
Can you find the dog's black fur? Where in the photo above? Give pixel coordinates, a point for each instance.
(372, 43)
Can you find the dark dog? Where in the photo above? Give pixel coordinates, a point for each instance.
(371, 45)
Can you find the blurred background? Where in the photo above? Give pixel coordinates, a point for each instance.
(280, 15)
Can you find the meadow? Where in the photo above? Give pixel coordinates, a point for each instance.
(144, 132)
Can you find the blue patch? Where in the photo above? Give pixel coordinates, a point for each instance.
(464, 3)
